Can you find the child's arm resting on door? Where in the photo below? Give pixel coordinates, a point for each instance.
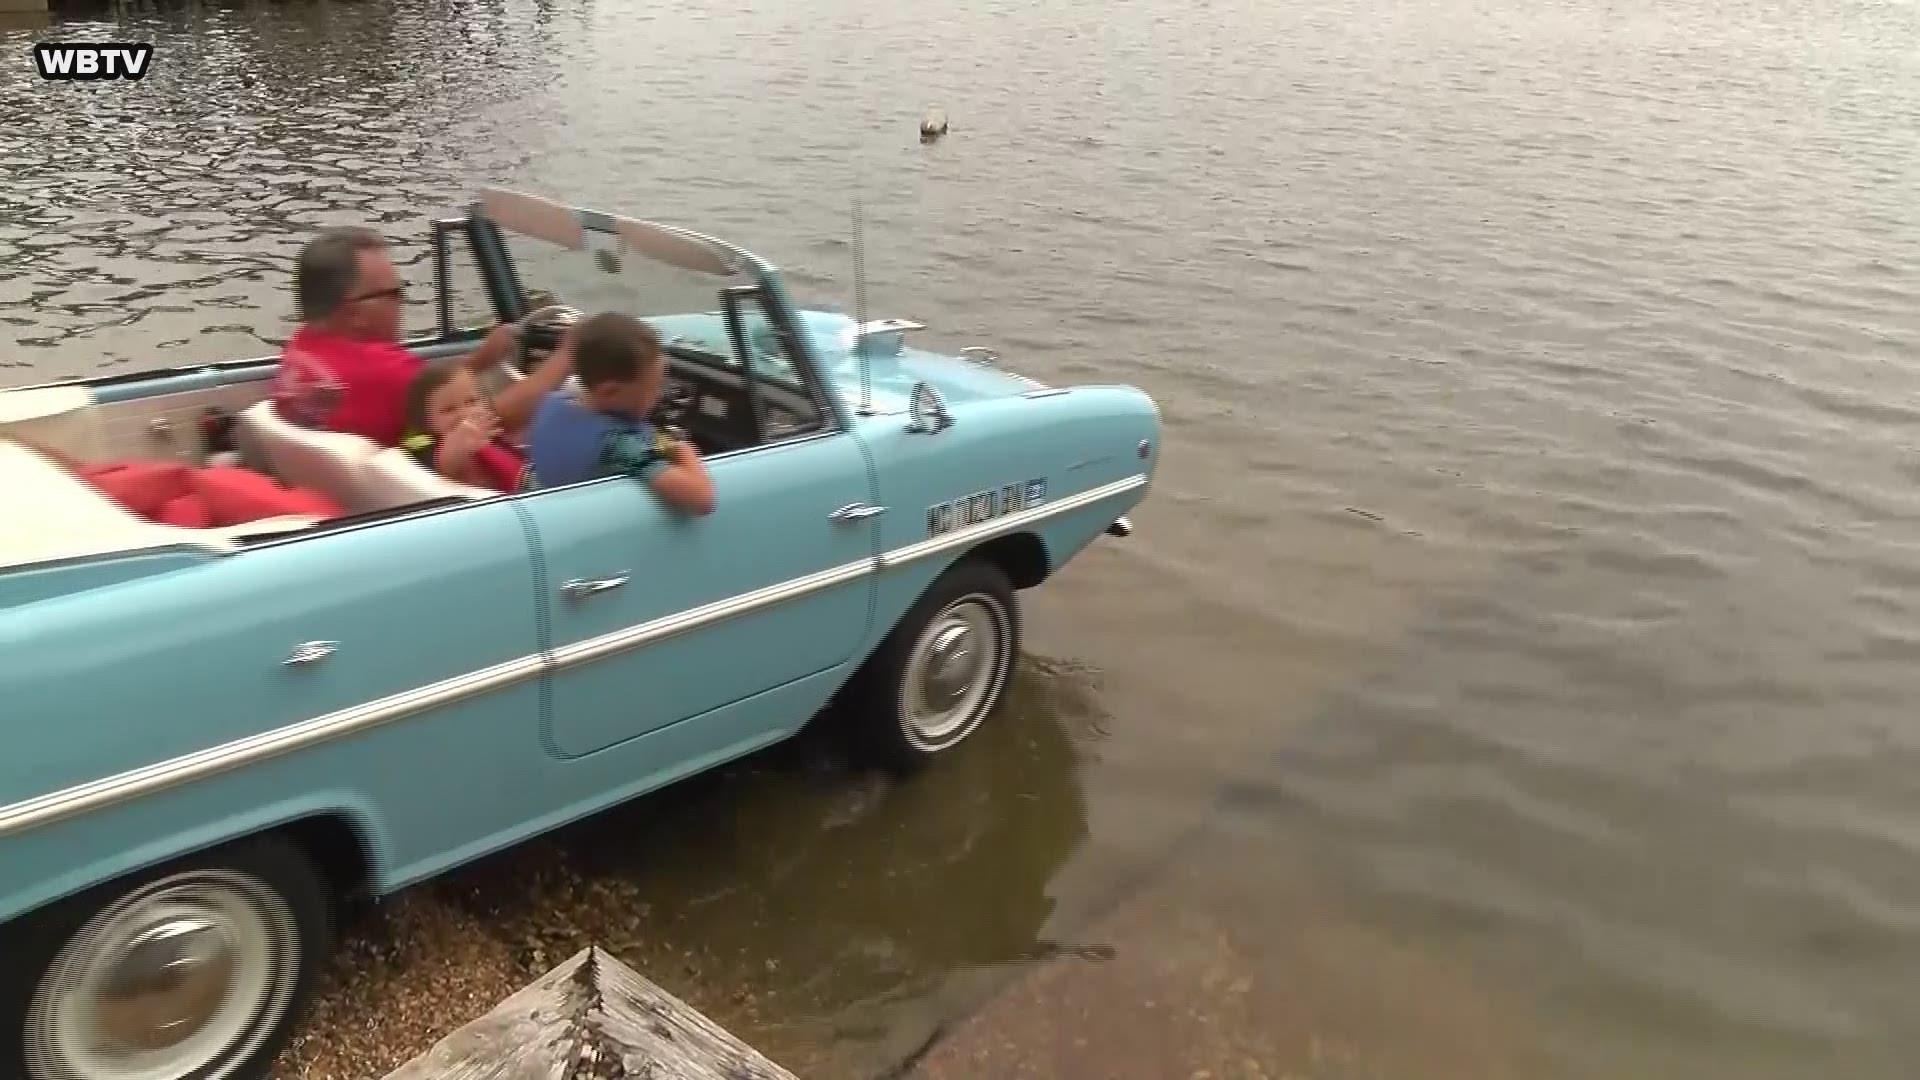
(670, 467)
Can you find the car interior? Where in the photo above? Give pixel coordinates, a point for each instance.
(711, 404)
(706, 398)
(219, 413)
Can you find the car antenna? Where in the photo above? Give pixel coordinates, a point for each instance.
(860, 308)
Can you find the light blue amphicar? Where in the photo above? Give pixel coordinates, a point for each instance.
(214, 735)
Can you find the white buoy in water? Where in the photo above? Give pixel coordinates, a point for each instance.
(933, 125)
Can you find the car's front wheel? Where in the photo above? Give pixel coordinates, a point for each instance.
(193, 971)
(944, 667)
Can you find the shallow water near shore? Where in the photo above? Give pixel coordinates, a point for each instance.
(1526, 608)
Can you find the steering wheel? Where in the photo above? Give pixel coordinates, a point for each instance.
(670, 412)
(540, 332)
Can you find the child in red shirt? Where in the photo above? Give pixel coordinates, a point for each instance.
(452, 432)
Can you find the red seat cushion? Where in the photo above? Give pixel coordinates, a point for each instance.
(234, 496)
(143, 487)
(186, 511)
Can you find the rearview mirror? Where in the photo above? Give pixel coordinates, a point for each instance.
(927, 410)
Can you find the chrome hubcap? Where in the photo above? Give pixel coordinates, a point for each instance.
(952, 661)
(169, 980)
(185, 977)
(955, 672)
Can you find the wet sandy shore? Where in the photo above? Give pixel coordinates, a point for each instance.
(1188, 983)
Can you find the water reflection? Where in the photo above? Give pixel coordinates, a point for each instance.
(1695, 878)
(168, 232)
(828, 914)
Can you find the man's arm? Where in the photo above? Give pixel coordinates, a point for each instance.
(494, 348)
(515, 404)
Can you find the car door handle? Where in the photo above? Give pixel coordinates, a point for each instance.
(309, 652)
(856, 512)
(581, 588)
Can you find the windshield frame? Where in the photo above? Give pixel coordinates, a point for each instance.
(567, 226)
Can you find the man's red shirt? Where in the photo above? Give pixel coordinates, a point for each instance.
(344, 384)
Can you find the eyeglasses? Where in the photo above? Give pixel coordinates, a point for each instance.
(394, 293)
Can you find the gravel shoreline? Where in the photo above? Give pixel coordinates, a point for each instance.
(399, 982)
(431, 959)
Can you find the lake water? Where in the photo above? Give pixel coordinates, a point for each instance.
(1533, 578)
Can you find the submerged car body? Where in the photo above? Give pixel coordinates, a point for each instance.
(354, 704)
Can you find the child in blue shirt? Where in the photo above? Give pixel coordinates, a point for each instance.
(604, 431)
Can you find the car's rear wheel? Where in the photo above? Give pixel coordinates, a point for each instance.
(943, 669)
(193, 971)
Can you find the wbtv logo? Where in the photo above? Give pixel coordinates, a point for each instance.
(92, 60)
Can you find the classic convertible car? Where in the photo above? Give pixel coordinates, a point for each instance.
(214, 733)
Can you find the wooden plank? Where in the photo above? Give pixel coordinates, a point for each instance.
(527, 1036)
(591, 1018)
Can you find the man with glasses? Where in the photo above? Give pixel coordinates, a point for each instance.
(344, 369)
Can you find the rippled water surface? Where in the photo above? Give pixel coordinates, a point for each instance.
(1532, 580)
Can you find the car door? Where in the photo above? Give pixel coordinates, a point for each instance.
(351, 662)
(658, 617)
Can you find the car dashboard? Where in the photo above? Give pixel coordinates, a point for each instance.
(709, 405)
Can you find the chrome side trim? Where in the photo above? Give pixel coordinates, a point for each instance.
(582, 652)
(164, 775)
(986, 530)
